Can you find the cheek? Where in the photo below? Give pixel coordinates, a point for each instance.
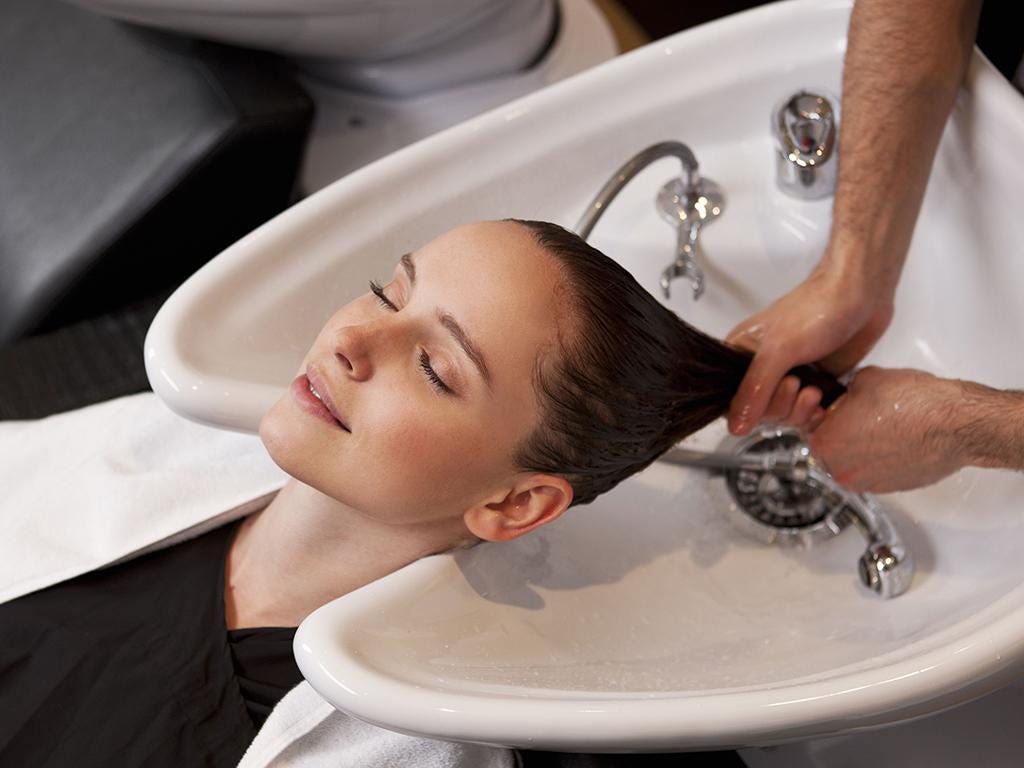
(427, 449)
(434, 442)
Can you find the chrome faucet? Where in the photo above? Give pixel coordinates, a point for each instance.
(806, 135)
(688, 203)
(781, 495)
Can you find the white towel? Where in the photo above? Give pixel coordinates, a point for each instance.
(89, 487)
(102, 484)
(304, 730)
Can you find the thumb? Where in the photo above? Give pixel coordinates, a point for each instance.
(747, 335)
(857, 347)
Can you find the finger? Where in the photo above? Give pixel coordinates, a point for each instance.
(755, 392)
(806, 403)
(782, 401)
(816, 418)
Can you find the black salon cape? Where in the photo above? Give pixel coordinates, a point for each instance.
(133, 665)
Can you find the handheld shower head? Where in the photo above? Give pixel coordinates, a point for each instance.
(781, 495)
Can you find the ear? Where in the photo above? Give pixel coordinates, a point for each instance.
(534, 501)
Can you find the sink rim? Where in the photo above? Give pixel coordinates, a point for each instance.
(947, 674)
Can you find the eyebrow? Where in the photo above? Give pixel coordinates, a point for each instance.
(410, 268)
(467, 345)
(452, 326)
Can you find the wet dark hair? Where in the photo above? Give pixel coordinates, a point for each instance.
(629, 380)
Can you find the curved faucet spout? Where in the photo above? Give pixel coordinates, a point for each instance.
(631, 168)
(687, 202)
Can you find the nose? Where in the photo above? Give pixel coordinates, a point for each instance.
(361, 348)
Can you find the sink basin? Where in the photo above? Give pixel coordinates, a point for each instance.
(646, 621)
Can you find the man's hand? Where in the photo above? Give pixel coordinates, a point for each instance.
(899, 429)
(913, 53)
(832, 318)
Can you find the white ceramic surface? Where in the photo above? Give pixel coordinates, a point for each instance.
(351, 30)
(386, 73)
(352, 128)
(644, 621)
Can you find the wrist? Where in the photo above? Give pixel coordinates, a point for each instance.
(866, 268)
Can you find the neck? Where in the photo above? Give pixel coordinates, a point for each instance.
(306, 549)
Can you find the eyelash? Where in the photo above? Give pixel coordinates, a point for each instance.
(439, 385)
(436, 381)
(382, 299)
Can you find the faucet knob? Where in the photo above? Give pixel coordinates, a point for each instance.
(805, 128)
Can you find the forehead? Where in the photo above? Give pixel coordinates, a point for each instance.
(499, 283)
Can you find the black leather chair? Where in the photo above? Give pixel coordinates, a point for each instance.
(128, 159)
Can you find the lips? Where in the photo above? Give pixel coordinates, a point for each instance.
(319, 385)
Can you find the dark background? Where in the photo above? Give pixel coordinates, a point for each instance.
(1000, 35)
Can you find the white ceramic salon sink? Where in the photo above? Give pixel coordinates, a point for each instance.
(645, 621)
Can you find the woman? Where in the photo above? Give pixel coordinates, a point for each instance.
(506, 372)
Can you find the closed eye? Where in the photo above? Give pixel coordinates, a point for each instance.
(382, 298)
(435, 381)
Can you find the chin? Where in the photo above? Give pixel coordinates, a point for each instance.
(275, 439)
(287, 442)
(299, 449)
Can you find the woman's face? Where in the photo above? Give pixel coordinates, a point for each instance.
(431, 378)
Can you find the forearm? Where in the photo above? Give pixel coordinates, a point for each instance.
(988, 427)
(905, 61)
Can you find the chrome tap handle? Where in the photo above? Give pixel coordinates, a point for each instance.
(806, 138)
